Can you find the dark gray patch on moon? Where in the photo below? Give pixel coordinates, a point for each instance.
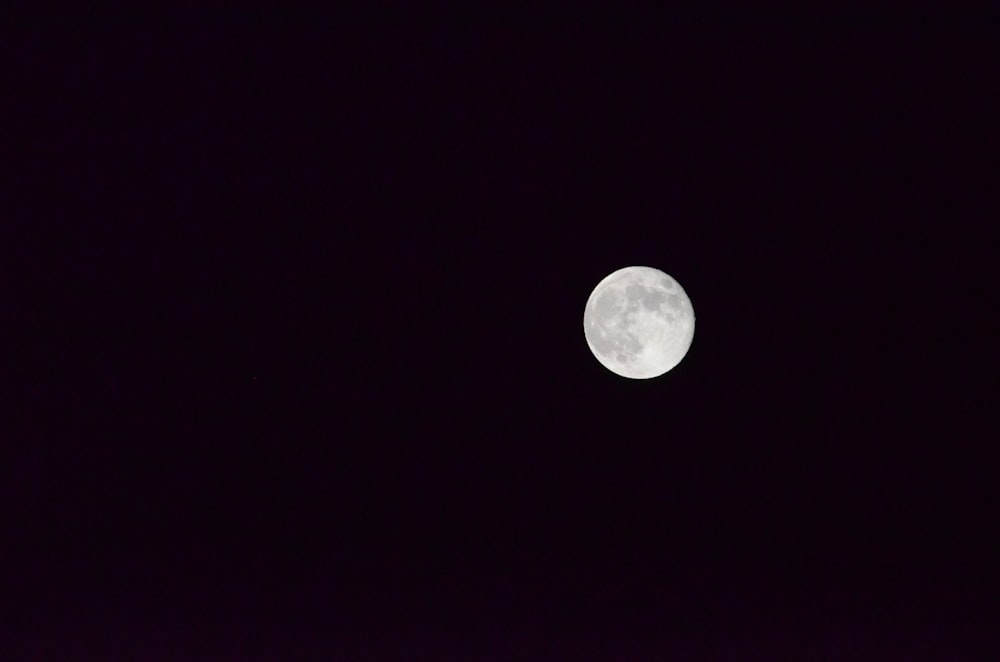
(674, 301)
(608, 300)
(608, 304)
(650, 298)
(608, 338)
(653, 299)
(634, 292)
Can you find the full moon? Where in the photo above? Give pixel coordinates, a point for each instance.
(639, 322)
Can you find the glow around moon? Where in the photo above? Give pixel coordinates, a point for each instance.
(639, 322)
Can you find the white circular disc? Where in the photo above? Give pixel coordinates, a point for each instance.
(639, 322)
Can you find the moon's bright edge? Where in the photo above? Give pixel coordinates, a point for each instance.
(639, 322)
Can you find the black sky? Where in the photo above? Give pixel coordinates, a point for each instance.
(296, 367)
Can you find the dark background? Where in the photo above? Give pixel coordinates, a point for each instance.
(295, 364)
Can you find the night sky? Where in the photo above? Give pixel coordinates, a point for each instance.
(295, 367)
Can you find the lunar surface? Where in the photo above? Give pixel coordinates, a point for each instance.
(639, 322)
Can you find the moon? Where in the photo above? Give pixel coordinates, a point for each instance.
(639, 322)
